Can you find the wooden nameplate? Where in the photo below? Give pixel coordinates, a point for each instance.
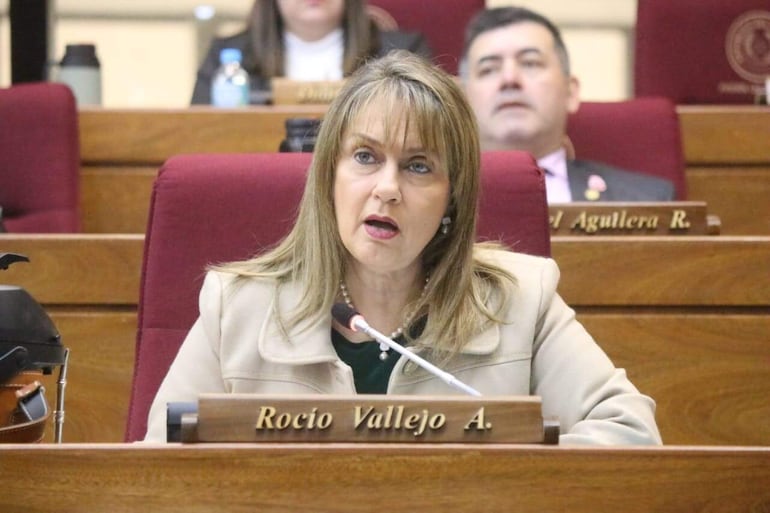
(367, 418)
(632, 218)
(294, 92)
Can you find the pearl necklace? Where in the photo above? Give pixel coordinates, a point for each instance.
(404, 325)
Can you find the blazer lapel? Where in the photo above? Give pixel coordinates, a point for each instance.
(304, 343)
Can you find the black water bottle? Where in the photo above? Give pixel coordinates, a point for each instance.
(301, 134)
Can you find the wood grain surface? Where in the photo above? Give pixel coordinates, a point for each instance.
(382, 477)
(727, 153)
(689, 321)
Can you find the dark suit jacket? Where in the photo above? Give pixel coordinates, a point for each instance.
(621, 185)
(260, 89)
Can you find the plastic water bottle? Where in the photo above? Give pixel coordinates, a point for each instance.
(230, 87)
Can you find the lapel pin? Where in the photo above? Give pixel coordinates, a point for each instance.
(596, 186)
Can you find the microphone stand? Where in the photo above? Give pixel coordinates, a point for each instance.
(359, 323)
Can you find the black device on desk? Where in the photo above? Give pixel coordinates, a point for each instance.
(301, 135)
(29, 342)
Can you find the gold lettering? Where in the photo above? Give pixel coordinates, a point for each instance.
(616, 220)
(325, 420)
(437, 421)
(268, 419)
(478, 421)
(579, 222)
(265, 418)
(423, 422)
(608, 221)
(316, 94)
(375, 421)
(392, 418)
(283, 421)
(651, 223)
(592, 224)
(555, 221)
(679, 220)
(358, 418)
(399, 417)
(411, 421)
(298, 422)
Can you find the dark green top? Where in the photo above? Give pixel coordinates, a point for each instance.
(370, 374)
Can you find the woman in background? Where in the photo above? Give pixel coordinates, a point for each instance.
(304, 40)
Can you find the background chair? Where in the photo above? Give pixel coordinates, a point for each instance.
(216, 208)
(702, 51)
(442, 22)
(641, 134)
(39, 158)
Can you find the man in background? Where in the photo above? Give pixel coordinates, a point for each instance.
(516, 74)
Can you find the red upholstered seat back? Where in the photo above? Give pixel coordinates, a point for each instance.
(641, 134)
(39, 158)
(442, 22)
(217, 208)
(702, 51)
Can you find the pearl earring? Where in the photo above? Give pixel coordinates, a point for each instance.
(445, 222)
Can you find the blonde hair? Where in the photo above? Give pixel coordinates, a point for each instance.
(464, 293)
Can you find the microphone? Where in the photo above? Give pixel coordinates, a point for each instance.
(346, 316)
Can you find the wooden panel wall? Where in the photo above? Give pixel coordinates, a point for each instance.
(727, 150)
(689, 318)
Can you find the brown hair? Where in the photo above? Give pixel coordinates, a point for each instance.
(265, 27)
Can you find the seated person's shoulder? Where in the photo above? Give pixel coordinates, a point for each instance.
(239, 40)
(211, 61)
(234, 286)
(520, 265)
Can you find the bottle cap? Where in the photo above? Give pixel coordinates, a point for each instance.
(80, 55)
(227, 55)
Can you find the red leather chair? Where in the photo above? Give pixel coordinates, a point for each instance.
(702, 51)
(217, 208)
(39, 158)
(641, 134)
(442, 22)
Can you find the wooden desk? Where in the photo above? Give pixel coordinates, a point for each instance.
(688, 319)
(353, 478)
(727, 150)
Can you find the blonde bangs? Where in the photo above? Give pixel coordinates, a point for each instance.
(401, 105)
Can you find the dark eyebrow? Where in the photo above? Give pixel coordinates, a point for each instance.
(497, 58)
(489, 59)
(532, 49)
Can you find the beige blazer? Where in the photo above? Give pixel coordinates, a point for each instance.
(236, 346)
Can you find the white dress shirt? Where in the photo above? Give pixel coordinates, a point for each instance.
(556, 181)
(316, 60)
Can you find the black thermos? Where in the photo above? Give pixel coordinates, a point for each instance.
(301, 134)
